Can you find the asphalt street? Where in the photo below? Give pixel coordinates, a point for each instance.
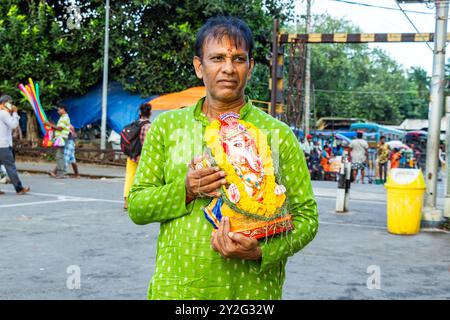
(79, 224)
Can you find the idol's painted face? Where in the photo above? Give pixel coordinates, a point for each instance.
(225, 69)
(241, 151)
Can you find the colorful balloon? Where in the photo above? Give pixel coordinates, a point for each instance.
(31, 93)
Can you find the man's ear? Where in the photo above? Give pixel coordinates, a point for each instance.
(197, 61)
(250, 70)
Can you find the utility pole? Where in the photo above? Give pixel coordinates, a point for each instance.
(308, 71)
(447, 157)
(431, 216)
(273, 94)
(105, 79)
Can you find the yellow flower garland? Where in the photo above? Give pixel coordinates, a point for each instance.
(271, 202)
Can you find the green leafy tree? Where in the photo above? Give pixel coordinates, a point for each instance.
(37, 42)
(151, 43)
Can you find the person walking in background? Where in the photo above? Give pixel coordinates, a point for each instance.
(382, 158)
(145, 111)
(358, 155)
(9, 120)
(69, 154)
(62, 130)
(325, 161)
(442, 163)
(307, 147)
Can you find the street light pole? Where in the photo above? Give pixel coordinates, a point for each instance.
(105, 79)
(308, 71)
(431, 215)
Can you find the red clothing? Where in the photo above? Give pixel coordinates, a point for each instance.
(395, 160)
(144, 130)
(142, 135)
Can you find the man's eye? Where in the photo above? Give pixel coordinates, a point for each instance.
(240, 59)
(238, 145)
(217, 58)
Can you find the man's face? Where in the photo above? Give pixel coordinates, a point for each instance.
(224, 69)
(60, 111)
(6, 105)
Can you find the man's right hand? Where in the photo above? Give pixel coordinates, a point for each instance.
(203, 182)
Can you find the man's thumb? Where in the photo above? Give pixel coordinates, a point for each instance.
(237, 237)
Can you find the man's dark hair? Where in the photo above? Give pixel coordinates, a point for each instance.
(145, 109)
(218, 27)
(382, 137)
(5, 98)
(62, 106)
(359, 134)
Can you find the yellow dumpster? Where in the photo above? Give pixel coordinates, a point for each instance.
(405, 190)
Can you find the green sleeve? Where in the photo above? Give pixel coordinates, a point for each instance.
(302, 206)
(151, 198)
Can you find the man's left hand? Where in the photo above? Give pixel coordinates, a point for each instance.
(234, 245)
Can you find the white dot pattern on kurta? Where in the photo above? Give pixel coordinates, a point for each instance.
(186, 266)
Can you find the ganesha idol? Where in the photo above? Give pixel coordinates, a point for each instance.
(253, 199)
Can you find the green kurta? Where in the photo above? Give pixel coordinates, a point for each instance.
(186, 265)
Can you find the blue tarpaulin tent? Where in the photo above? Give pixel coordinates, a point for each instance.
(123, 107)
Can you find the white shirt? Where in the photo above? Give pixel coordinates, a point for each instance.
(359, 147)
(307, 146)
(8, 123)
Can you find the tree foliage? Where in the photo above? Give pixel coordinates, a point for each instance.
(151, 42)
(37, 43)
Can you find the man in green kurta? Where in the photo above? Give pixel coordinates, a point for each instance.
(192, 262)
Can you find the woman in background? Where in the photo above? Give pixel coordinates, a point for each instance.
(145, 111)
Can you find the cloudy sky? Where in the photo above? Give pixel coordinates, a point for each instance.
(378, 20)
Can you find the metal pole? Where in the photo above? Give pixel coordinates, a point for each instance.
(308, 70)
(273, 95)
(314, 106)
(447, 157)
(431, 215)
(105, 79)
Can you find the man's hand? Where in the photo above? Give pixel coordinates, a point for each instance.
(49, 124)
(234, 245)
(14, 109)
(203, 182)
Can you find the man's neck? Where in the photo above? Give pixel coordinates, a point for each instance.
(213, 108)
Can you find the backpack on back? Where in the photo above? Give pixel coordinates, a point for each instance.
(130, 143)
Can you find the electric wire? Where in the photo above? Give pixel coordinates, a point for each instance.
(412, 23)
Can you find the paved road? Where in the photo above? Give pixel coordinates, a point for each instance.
(80, 222)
